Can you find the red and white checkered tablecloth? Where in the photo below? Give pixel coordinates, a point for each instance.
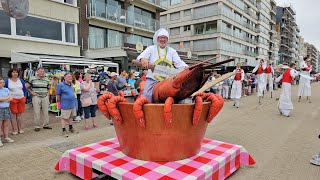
(216, 160)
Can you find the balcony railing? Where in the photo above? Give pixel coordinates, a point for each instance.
(205, 13)
(253, 2)
(118, 15)
(204, 32)
(227, 31)
(237, 3)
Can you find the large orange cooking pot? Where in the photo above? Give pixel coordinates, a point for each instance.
(155, 141)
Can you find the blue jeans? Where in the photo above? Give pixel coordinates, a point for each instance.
(79, 107)
(90, 111)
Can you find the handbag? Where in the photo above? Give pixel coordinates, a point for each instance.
(85, 102)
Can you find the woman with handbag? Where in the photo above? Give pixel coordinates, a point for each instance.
(88, 100)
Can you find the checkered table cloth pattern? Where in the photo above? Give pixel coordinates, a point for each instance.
(216, 160)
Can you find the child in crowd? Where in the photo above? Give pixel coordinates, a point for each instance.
(5, 113)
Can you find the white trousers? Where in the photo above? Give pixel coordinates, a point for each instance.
(304, 85)
(261, 83)
(285, 105)
(270, 81)
(225, 91)
(236, 92)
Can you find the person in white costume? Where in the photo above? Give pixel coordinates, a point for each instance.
(237, 85)
(269, 77)
(159, 54)
(261, 78)
(304, 83)
(285, 104)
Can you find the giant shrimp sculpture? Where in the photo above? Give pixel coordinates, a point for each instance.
(164, 130)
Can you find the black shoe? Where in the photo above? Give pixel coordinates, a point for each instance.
(47, 127)
(37, 129)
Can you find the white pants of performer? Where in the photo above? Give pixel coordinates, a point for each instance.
(304, 85)
(270, 81)
(236, 92)
(285, 104)
(261, 80)
(225, 92)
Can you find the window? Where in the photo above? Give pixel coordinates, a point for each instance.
(187, 12)
(197, 1)
(163, 18)
(175, 45)
(39, 28)
(73, 2)
(205, 44)
(70, 32)
(175, 31)
(211, 27)
(186, 44)
(104, 38)
(100, 7)
(133, 39)
(173, 2)
(141, 18)
(199, 28)
(206, 11)
(5, 26)
(175, 16)
(187, 28)
(226, 45)
(97, 38)
(114, 38)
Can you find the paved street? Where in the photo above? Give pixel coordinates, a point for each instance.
(281, 146)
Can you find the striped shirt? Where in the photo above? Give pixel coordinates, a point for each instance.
(39, 86)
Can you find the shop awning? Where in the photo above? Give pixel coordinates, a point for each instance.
(17, 57)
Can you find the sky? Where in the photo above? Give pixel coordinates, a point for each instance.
(308, 19)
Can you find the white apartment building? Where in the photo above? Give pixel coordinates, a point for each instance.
(289, 30)
(51, 28)
(313, 53)
(244, 29)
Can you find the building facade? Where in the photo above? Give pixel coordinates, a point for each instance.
(51, 28)
(289, 32)
(313, 53)
(244, 29)
(107, 25)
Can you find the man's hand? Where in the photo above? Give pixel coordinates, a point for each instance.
(145, 63)
(33, 93)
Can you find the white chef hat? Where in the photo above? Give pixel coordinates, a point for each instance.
(160, 32)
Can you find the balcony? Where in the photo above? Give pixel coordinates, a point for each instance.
(274, 38)
(237, 3)
(249, 26)
(250, 53)
(162, 5)
(116, 15)
(273, 20)
(253, 2)
(226, 31)
(274, 10)
(209, 13)
(202, 31)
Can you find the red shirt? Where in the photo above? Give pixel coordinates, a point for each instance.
(286, 77)
(260, 70)
(238, 75)
(268, 69)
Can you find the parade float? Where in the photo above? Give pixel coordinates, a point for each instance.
(164, 130)
(161, 140)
